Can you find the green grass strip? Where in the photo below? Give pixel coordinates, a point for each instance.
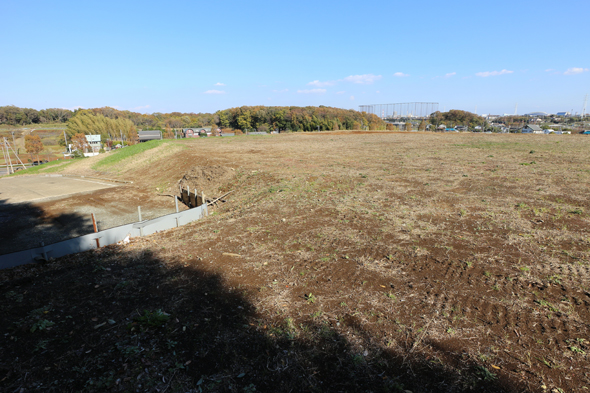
(126, 152)
(53, 166)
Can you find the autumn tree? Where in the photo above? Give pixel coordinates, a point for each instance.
(80, 143)
(132, 137)
(422, 126)
(408, 126)
(33, 145)
(168, 134)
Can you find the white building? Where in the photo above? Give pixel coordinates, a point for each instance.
(94, 145)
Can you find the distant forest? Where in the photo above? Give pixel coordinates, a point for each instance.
(261, 118)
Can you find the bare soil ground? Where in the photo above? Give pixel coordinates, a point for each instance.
(341, 262)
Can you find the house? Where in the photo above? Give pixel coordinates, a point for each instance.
(196, 132)
(93, 145)
(149, 135)
(532, 129)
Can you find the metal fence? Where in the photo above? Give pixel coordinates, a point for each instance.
(419, 110)
(102, 238)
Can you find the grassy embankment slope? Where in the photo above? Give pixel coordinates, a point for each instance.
(340, 263)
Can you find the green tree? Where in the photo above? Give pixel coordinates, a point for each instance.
(88, 123)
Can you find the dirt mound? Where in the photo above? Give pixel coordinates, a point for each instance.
(212, 180)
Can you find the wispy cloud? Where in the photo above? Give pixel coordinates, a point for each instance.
(549, 70)
(450, 74)
(400, 74)
(281, 91)
(485, 74)
(220, 84)
(139, 108)
(317, 83)
(215, 92)
(351, 98)
(365, 79)
(575, 71)
(312, 91)
(340, 92)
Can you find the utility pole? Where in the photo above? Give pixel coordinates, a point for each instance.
(66, 141)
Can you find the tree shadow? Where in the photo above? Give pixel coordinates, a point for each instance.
(26, 225)
(122, 319)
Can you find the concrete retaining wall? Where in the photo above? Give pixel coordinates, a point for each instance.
(106, 237)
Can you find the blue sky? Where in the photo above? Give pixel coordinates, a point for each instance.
(202, 56)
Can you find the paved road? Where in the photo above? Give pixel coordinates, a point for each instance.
(36, 188)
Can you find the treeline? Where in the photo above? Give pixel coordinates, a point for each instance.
(15, 116)
(309, 118)
(262, 118)
(456, 117)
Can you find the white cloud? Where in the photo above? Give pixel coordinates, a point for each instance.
(549, 70)
(215, 92)
(377, 92)
(493, 73)
(321, 84)
(365, 79)
(575, 70)
(139, 108)
(281, 91)
(340, 92)
(312, 91)
(352, 98)
(400, 74)
(450, 74)
(220, 84)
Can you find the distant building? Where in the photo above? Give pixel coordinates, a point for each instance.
(532, 129)
(196, 132)
(149, 135)
(537, 114)
(93, 145)
(563, 114)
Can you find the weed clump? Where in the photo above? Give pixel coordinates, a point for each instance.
(149, 319)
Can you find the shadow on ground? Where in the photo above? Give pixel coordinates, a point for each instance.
(116, 319)
(26, 225)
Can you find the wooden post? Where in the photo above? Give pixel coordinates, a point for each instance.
(94, 223)
(176, 201)
(95, 230)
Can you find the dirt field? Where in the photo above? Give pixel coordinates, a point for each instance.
(340, 262)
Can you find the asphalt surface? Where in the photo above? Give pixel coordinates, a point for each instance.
(37, 188)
